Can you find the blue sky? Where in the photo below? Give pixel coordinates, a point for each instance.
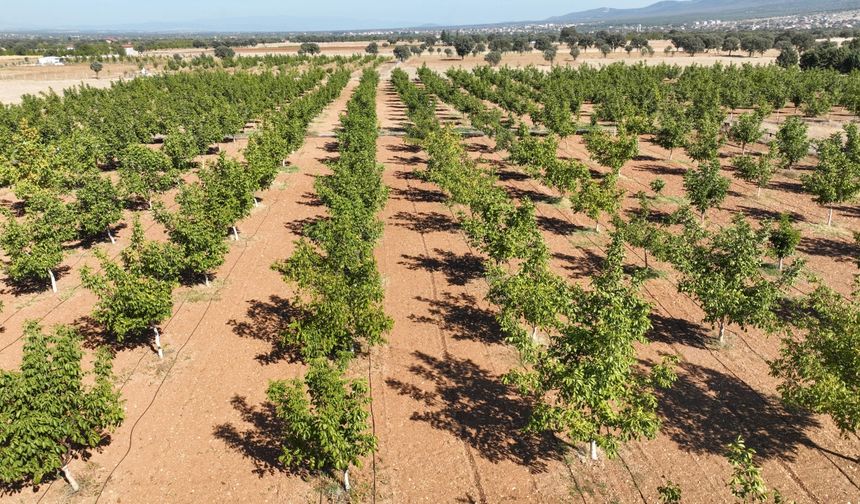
(337, 13)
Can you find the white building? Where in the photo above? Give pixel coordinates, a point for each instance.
(50, 60)
(130, 50)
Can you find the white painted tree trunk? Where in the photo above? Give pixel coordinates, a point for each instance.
(596, 226)
(53, 280)
(758, 191)
(346, 479)
(830, 216)
(256, 202)
(534, 334)
(158, 342)
(67, 473)
(593, 450)
(235, 233)
(722, 332)
(149, 201)
(780, 264)
(110, 235)
(206, 279)
(670, 153)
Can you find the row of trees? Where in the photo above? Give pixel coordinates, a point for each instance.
(338, 296)
(51, 410)
(722, 269)
(578, 344)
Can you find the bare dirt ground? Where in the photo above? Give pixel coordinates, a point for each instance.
(722, 392)
(21, 79)
(198, 428)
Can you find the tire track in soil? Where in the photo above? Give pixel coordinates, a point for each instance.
(426, 202)
(512, 185)
(267, 245)
(783, 465)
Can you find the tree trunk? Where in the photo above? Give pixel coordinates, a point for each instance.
(158, 343)
(645, 251)
(597, 226)
(534, 334)
(235, 233)
(206, 279)
(758, 191)
(743, 148)
(829, 216)
(593, 450)
(53, 280)
(670, 153)
(722, 332)
(71, 479)
(703, 216)
(256, 203)
(110, 235)
(346, 479)
(149, 201)
(780, 264)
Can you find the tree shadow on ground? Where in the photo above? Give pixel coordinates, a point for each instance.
(267, 321)
(520, 194)
(706, 409)
(472, 404)
(461, 317)
(38, 285)
(511, 175)
(479, 147)
(417, 195)
(310, 199)
(404, 147)
(261, 444)
(661, 169)
(298, 226)
(670, 330)
(425, 222)
(786, 186)
(767, 214)
(557, 225)
(841, 251)
(588, 264)
(458, 269)
(93, 336)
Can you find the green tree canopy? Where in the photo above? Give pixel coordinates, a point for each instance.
(48, 413)
(324, 418)
(129, 302)
(705, 187)
(586, 381)
(819, 367)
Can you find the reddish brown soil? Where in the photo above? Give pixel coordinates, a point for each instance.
(198, 428)
(721, 392)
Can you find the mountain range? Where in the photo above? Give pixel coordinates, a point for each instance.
(662, 12)
(668, 11)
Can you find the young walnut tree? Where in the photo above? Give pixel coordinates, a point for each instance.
(724, 275)
(324, 419)
(585, 381)
(51, 410)
(129, 303)
(705, 187)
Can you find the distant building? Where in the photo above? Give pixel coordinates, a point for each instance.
(50, 60)
(130, 50)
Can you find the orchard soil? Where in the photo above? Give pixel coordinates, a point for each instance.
(198, 428)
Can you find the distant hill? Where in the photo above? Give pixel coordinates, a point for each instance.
(690, 10)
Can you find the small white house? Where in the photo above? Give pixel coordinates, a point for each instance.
(50, 61)
(130, 50)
